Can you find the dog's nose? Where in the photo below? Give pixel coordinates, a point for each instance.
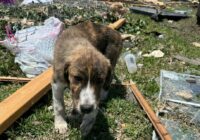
(86, 108)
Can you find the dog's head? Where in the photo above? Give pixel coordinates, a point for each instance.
(86, 71)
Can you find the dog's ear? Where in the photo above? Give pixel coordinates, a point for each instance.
(66, 73)
(108, 78)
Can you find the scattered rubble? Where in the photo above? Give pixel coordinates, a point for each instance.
(156, 54)
(180, 105)
(196, 44)
(117, 7)
(185, 95)
(50, 108)
(26, 2)
(156, 2)
(128, 37)
(127, 44)
(158, 14)
(187, 60)
(140, 65)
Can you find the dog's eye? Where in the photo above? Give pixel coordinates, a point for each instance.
(78, 78)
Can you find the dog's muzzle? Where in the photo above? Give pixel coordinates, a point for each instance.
(85, 109)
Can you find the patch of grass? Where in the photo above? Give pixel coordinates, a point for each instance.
(7, 89)
(7, 65)
(128, 119)
(36, 122)
(117, 116)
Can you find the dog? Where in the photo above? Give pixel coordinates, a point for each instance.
(85, 56)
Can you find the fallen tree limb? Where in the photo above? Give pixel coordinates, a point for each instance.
(161, 130)
(19, 102)
(187, 60)
(14, 79)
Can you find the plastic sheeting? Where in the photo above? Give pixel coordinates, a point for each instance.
(33, 47)
(26, 2)
(180, 105)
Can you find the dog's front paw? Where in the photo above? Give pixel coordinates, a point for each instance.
(61, 127)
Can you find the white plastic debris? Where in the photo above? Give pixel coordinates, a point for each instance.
(130, 61)
(128, 36)
(186, 95)
(33, 47)
(196, 44)
(26, 2)
(156, 54)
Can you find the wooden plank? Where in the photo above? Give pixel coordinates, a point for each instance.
(187, 60)
(141, 3)
(14, 79)
(156, 2)
(19, 102)
(117, 24)
(160, 128)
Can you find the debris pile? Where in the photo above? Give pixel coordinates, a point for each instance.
(180, 99)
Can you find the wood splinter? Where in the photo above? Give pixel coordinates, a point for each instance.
(14, 79)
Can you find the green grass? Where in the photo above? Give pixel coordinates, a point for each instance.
(118, 118)
(7, 89)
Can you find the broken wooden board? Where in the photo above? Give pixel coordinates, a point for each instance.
(20, 101)
(160, 128)
(187, 60)
(141, 3)
(14, 79)
(117, 24)
(156, 2)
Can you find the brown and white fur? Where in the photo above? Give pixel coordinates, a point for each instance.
(84, 59)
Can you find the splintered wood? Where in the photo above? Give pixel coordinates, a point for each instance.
(14, 79)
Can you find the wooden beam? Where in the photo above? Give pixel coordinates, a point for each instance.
(19, 102)
(141, 3)
(117, 24)
(187, 60)
(160, 128)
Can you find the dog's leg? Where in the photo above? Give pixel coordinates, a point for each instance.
(59, 108)
(106, 86)
(88, 122)
(103, 94)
